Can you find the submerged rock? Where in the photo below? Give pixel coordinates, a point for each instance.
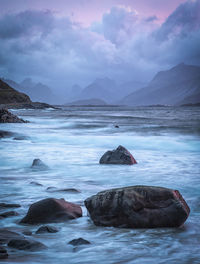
(8, 117)
(79, 241)
(27, 233)
(46, 229)
(38, 164)
(51, 210)
(25, 244)
(118, 156)
(68, 190)
(3, 253)
(7, 205)
(6, 235)
(36, 183)
(138, 207)
(6, 134)
(8, 214)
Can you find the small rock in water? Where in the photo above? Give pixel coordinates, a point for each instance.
(6, 235)
(5, 134)
(79, 241)
(6, 205)
(25, 244)
(70, 190)
(21, 138)
(116, 126)
(138, 207)
(36, 183)
(51, 210)
(8, 214)
(118, 156)
(3, 253)
(27, 233)
(46, 229)
(38, 164)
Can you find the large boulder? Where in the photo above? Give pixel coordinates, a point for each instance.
(51, 210)
(138, 207)
(8, 117)
(118, 156)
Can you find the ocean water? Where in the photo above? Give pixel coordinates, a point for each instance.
(165, 141)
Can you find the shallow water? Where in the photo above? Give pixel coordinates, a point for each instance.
(164, 141)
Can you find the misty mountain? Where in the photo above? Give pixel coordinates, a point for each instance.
(179, 85)
(8, 95)
(38, 92)
(86, 102)
(73, 93)
(107, 90)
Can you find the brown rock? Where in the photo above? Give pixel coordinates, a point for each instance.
(138, 207)
(51, 210)
(118, 156)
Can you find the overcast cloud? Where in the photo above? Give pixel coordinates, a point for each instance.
(123, 45)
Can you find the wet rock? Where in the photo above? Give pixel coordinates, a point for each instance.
(21, 138)
(116, 126)
(118, 156)
(5, 134)
(36, 183)
(138, 207)
(69, 190)
(8, 214)
(25, 244)
(7, 205)
(3, 253)
(6, 235)
(79, 241)
(51, 210)
(38, 164)
(47, 229)
(8, 117)
(27, 233)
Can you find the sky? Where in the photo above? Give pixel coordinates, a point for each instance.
(65, 42)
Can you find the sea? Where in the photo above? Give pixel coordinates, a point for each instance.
(165, 141)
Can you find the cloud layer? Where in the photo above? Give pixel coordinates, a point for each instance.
(122, 45)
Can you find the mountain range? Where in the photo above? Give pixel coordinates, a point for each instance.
(179, 85)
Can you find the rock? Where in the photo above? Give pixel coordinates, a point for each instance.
(116, 126)
(8, 214)
(6, 205)
(5, 134)
(21, 138)
(3, 253)
(46, 229)
(27, 233)
(25, 244)
(118, 156)
(31, 105)
(79, 241)
(38, 164)
(36, 183)
(51, 210)
(7, 235)
(138, 207)
(69, 190)
(8, 117)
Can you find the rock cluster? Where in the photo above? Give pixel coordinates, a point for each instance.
(8, 117)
